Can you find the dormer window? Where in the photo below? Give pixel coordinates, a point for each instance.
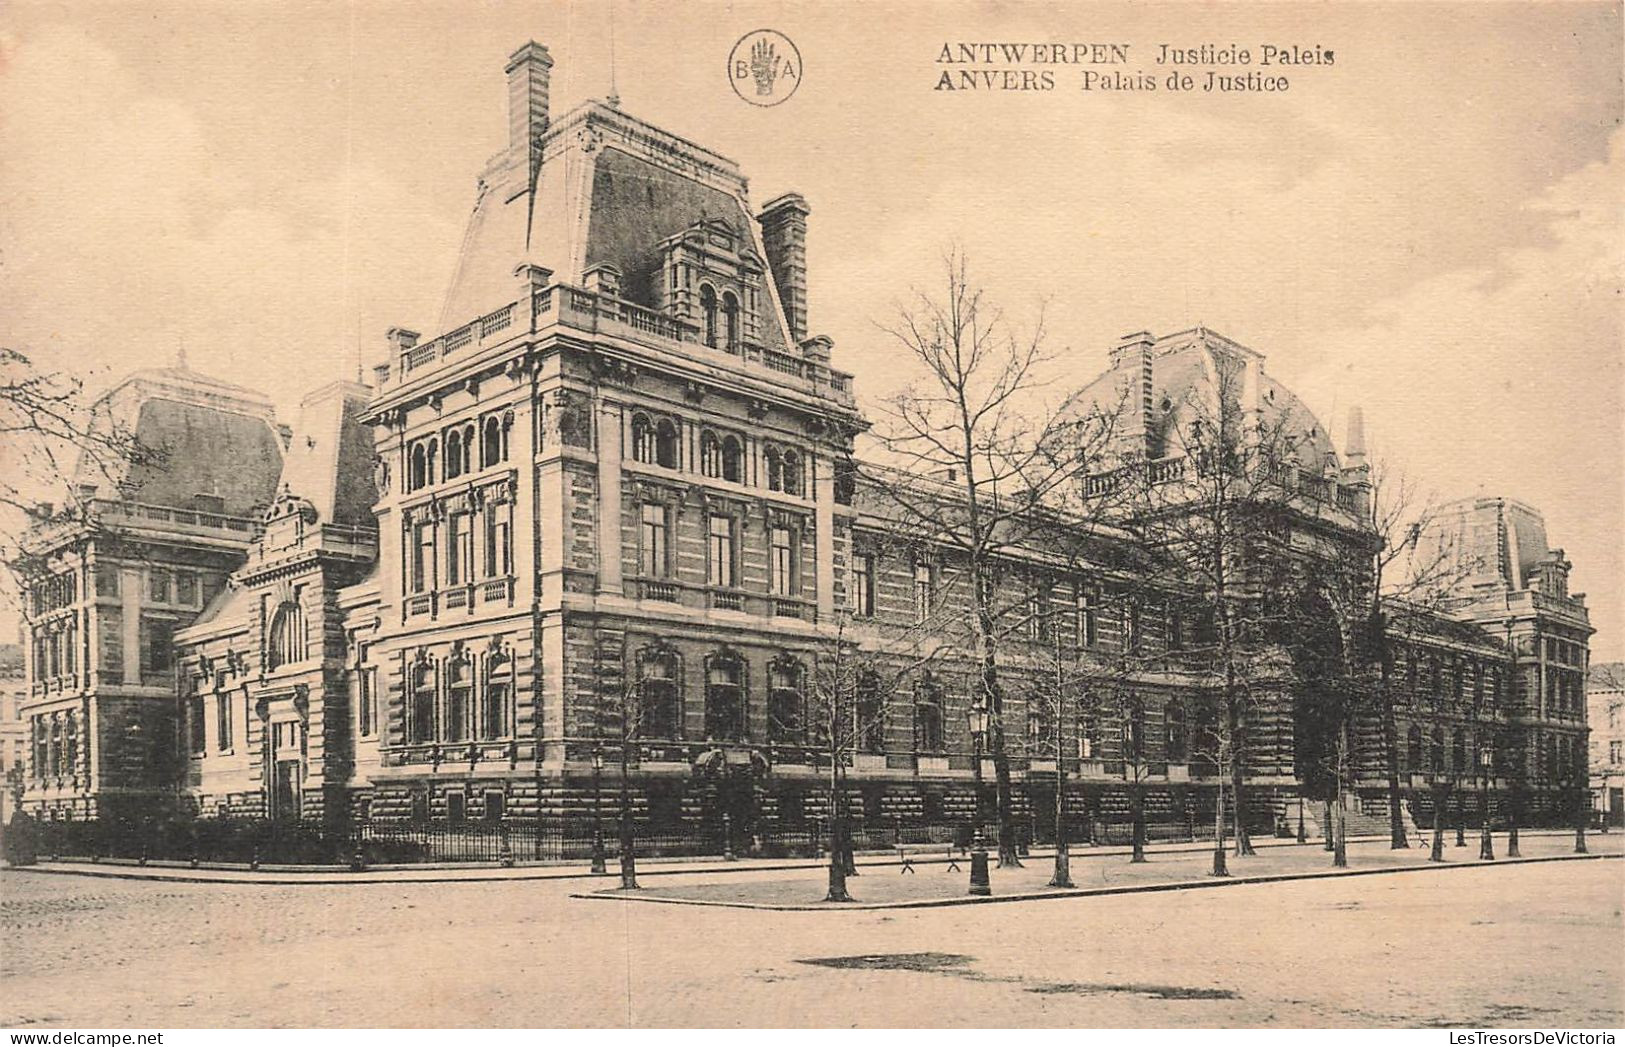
(730, 321)
(708, 312)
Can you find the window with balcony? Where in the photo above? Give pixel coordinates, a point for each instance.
(733, 460)
(720, 551)
(422, 574)
(781, 547)
(653, 548)
(786, 703)
(420, 468)
(498, 539)
(158, 579)
(725, 698)
(459, 548)
(659, 713)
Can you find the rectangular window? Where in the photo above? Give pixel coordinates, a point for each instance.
(157, 646)
(720, 551)
(366, 699)
(197, 728)
(456, 807)
(110, 630)
(653, 558)
(1614, 752)
(107, 578)
(495, 804)
(863, 585)
(459, 548)
(222, 723)
(924, 595)
(784, 562)
(1086, 618)
(186, 589)
(498, 539)
(158, 585)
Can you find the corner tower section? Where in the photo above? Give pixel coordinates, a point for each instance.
(621, 457)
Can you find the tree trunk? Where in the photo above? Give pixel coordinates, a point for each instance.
(629, 859)
(1438, 826)
(1001, 765)
(1398, 839)
(1326, 843)
(1136, 801)
(1238, 770)
(1513, 815)
(837, 850)
(1486, 843)
(1062, 876)
(1579, 822)
(1219, 867)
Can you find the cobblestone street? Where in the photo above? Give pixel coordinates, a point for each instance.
(1477, 946)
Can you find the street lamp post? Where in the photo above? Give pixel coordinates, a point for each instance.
(979, 883)
(598, 866)
(1486, 771)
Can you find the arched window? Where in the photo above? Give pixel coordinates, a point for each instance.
(421, 725)
(708, 312)
(286, 641)
(493, 442)
(725, 698)
(459, 700)
(733, 460)
(494, 718)
(775, 469)
(659, 713)
(929, 713)
(1413, 749)
(786, 705)
(1173, 717)
(792, 473)
(666, 444)
(454, 454)
(710, 454)
(730, 321)
(419, 473)
(643, 440)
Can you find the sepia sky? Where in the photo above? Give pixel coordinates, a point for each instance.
(1430, 228)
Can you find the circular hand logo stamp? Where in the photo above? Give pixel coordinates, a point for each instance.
(764, 67)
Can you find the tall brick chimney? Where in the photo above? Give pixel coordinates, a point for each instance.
(784, 235)
(529, 70)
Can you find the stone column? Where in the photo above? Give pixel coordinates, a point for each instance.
(609, 498)
(824, 525)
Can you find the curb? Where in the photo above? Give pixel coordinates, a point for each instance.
(1082, 892)
(329, 876)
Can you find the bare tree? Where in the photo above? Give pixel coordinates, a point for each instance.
(1209, 507)
(970, 419)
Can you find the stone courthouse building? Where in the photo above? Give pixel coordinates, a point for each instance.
(619, 475)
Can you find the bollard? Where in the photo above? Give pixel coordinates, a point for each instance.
(979, 882)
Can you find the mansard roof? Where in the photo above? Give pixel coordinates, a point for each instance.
(608, 188)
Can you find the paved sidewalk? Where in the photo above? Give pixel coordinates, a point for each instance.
(482, 872)
(1163, 871)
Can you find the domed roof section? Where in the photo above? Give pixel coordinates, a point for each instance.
(1156, 386)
